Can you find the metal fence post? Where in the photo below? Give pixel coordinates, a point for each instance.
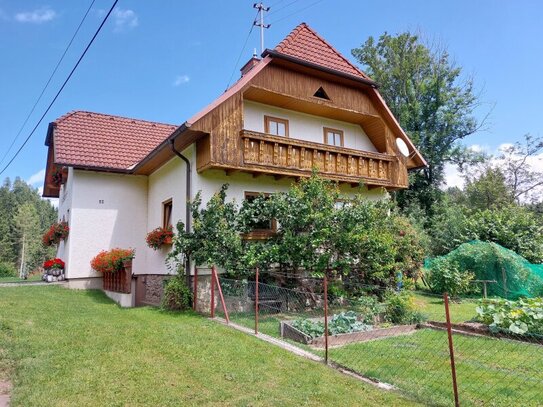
(451, 349)
(256, 301)
(326, 317)
(212, 291)
(195, 292)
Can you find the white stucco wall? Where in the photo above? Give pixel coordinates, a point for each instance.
(304, 126)
(64, 213)
(107, 211)
(168, 182)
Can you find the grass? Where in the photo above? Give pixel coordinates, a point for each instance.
(489, 371)
(66, 348)
(35, 277)
(433, 307)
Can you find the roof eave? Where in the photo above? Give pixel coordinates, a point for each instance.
(280, 55)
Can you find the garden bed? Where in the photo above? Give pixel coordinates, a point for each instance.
(477, 328)
(291, 332)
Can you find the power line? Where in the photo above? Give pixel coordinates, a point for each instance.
(242, 49)
(281, 8)
(47, 84)
(62, 87)
(296, 12)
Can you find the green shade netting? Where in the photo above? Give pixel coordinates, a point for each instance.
(515, 276)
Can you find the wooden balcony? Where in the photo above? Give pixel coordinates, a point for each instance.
(283, 156)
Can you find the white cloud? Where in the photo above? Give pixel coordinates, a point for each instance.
(37, 16)
(124, 19)
(37, 178)
(452, 177)
(181, 80)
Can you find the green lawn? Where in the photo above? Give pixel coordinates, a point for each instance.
(36, 277)
(432, 306)
(77, 348)
(489, 371)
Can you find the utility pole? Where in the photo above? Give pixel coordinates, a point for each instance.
(261, 10)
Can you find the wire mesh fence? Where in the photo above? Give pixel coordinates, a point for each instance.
(396, 337)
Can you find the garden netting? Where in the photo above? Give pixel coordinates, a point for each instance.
(513, 276)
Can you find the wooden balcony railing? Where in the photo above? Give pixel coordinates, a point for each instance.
(287, 155)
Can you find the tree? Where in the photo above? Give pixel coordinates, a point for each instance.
(489, 190)
(517, 162)
(13, 196)
(426, 93)
(27, 224)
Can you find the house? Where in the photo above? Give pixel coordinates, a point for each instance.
(302, 105)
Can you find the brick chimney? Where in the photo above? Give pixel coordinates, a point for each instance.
(250, 64)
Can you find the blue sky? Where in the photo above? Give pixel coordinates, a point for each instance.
(165, 60)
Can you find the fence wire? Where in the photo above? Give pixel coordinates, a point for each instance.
(392, 337)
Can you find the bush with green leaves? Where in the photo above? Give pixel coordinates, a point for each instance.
(445, 276)
(366, 240)
(400, 308)
(513, 227)
(524, 316)
(369, 307)
(177, 296)
(7, 270)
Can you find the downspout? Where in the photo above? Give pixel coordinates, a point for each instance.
(187, 203)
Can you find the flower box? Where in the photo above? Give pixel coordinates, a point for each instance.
(57, 232)
(158, 237)
(119, 281)
(116, 267)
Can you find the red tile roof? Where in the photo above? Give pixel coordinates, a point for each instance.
(87, 139)
(304, 43)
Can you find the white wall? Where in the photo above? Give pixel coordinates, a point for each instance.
(168, 182)
(64, 213)
(305, 126)
(107, 211)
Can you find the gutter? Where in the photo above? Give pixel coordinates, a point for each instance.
(279, 55)
(188, 196)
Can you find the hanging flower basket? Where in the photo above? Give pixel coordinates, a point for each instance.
(159, 237)
(57, 232)
(116, 266)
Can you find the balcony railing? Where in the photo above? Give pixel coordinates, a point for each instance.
(287, 155)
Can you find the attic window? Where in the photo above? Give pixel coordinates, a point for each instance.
(320, 93)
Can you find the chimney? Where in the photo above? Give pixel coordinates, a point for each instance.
(250, 64)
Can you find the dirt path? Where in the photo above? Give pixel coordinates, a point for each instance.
(5, 388)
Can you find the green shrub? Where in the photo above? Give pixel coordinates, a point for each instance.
(400, 308)
(369, 307)
(177, 296)
(445, 276)
(524, 316)
(7, 270)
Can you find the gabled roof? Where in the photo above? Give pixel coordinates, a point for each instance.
(305, 44)
(96, 140)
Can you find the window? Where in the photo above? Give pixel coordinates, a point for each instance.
(276, 126)
(333, 137)
(321, 94)
(167, 207)
(261, 229)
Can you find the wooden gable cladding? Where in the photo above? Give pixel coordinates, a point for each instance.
(230, 147)
(223, 124)
(295, 90)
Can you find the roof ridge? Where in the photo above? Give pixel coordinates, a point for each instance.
(298, 44)
(73, 112)
(334, 49)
